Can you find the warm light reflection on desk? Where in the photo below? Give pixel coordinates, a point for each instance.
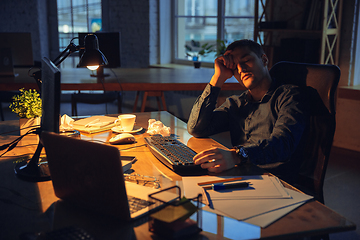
(228, 227)
(46, 212)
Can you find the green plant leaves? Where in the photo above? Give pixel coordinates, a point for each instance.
(27, 104)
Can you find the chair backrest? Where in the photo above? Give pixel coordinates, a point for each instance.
(319, 136)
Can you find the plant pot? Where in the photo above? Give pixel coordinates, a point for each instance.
(197, 64)
(28, 123)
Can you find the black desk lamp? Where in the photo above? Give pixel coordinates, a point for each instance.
(92, 56)
(33, 170)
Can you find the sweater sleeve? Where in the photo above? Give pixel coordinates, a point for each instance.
(205, 120)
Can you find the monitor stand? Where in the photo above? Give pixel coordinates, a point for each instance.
(33, 170)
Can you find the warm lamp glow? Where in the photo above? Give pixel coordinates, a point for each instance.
(92, 67)
(92, 56)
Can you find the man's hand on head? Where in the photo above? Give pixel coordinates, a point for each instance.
(217, 160)
(224, 69)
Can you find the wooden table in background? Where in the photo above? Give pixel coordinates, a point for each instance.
(152, 81)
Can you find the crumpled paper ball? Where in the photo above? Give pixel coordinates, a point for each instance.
(66, 123)
(157, 127)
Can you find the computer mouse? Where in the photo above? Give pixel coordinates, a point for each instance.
(122, 138)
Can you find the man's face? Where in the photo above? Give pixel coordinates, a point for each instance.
(250, 69)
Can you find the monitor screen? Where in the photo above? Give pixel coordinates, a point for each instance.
(109, 45)
(50, 96)
(20, 45)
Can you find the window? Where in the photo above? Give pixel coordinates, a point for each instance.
(76, 16)
(206, 21)
(354, 78)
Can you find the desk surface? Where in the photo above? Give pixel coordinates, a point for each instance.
(33, 207)
(127, 79)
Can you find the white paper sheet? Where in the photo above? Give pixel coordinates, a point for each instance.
(261, 186)
(245, 209)
(269, 206)
(265, 219)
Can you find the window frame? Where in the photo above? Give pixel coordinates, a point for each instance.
(72, 60)
(219, 35)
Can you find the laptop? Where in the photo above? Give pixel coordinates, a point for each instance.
(90, 175)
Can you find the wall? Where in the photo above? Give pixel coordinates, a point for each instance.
(27, 16)
(347, 134)
(153, 32)
(131, 19)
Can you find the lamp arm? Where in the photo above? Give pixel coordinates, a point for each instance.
(71, 48)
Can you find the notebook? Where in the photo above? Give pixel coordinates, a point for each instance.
(90, 175)
(95, 124)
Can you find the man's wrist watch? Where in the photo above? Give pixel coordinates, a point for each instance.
(242, 153)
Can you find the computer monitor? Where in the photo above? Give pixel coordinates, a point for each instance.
(50, 95)
(33, 170)
(109, 45)
(20, 46)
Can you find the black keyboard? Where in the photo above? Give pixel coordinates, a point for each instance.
(173, 153)
(136, 204)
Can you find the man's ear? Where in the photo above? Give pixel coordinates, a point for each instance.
(265, 59)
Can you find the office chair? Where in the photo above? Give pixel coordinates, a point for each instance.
(319, 137)
(94, 98)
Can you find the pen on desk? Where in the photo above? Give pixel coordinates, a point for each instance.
(221, 186)
(220, 181)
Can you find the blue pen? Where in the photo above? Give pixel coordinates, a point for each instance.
(221, 186)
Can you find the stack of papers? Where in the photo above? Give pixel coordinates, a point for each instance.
(263, 202)
(94, 124)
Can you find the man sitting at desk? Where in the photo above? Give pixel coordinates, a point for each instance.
(266, 122)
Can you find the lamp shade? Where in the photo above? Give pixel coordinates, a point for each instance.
(92, 56)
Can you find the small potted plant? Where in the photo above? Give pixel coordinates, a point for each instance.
(28, 106)
(221, 47)
(196, 50)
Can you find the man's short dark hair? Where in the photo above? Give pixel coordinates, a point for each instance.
(253, 46)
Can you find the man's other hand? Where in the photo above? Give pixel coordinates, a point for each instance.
(217, 159)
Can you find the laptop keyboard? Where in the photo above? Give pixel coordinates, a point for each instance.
(136, 204)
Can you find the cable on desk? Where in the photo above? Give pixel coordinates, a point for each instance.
(107, 143)
(12, 145)
(121, 89)
(18, 194)
(5, 133)
(8, 201)
(132, 147)
(95, 141)
(117, 79)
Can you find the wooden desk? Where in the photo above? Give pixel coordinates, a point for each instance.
(126, 79)
(151, 81)
(33, 207)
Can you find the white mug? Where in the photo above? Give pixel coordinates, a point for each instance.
(126, 122)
